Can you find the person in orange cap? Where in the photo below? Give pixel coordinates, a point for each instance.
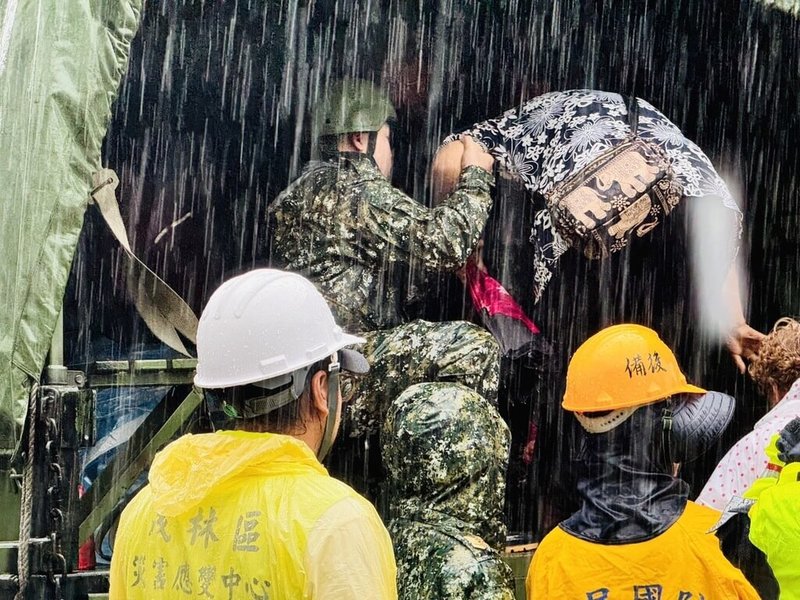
(636, 534)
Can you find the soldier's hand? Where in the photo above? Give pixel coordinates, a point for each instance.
(475, 155)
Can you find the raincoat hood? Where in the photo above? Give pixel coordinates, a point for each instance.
(189, 469)
(627, 492)
(446, 449)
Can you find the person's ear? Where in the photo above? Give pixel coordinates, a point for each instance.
(318, 390)
(359, 141)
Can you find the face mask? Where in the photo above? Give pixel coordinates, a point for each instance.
(692, 424)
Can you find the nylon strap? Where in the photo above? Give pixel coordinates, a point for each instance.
(666, 433)
(372, 143)
(161, 308)
(333, 404)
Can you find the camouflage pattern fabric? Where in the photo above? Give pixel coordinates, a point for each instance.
(344, 226)
(416, 352)
(446, 450)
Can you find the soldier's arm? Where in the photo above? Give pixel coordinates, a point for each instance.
(438, 238)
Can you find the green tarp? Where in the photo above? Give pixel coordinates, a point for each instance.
(61, 62)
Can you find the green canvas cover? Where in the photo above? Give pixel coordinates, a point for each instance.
(60, 66)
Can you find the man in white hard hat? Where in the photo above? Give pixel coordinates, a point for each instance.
(250, 511)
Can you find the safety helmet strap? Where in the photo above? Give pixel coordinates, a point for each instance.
(666, 433)
(333, 404)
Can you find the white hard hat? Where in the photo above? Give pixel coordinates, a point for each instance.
(264, 324)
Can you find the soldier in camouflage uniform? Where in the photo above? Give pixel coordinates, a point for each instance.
(344, 226)
(446, 450)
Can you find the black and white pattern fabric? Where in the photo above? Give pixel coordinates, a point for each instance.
(551, 137)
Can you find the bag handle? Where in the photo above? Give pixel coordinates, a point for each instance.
(632, 104)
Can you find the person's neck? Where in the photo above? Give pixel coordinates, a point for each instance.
(311, 435)
(777, 396)
(312, 441)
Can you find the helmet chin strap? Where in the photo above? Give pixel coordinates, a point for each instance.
(666, 434)
(333, 404)
(372, 142)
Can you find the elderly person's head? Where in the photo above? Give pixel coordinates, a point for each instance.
(777, 365)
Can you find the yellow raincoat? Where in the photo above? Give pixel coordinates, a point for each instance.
(249, 515)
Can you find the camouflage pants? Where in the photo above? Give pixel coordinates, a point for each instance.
(417, 352)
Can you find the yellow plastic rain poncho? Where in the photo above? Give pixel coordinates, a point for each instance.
(249, 515)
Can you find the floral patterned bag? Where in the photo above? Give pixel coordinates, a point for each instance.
(626, 192)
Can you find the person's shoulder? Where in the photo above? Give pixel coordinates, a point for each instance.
(360, 170)
(384, 204)
(141, 502)
(748, 447)
(559, 547)
(380, 188)
(137, 514)
(739, 458)
(349, 505)
(316, 177)
(699, 520)
(556, 538)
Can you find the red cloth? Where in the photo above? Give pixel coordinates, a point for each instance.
(487, 294)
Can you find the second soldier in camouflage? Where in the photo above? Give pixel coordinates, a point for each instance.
(446, 450)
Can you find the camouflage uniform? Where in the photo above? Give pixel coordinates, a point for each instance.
(446, 450)
(344, 226)
(422, 351)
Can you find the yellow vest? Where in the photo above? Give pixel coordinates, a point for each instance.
(683, 563)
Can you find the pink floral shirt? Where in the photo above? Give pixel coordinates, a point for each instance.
(746, 460)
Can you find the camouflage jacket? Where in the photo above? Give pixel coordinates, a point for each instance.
(344, 226)
(446, 450)
(437, 561)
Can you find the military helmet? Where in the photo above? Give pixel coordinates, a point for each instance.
(354, 105)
